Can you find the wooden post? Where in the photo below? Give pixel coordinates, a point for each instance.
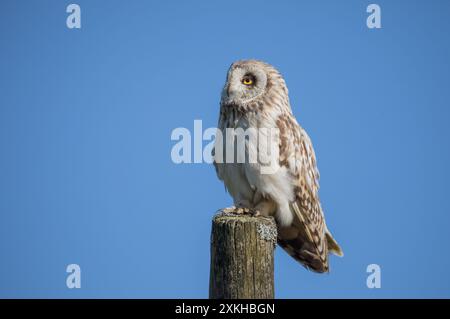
(242, 248)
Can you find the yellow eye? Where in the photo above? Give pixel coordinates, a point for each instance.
(247, 80)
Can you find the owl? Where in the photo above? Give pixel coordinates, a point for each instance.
(255, 100)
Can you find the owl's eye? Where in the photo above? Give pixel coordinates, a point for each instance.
(248, 80)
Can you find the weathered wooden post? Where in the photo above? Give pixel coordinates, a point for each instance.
(242, 249)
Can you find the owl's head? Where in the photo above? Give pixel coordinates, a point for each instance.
(250, 81)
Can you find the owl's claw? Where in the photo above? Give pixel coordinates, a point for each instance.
(228, 210)
(254, 212)
(240, 210)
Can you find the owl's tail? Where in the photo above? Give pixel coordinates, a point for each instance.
(306, 245)
(305, 254)
(298, 249)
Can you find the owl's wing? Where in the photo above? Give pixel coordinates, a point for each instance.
(307, 239)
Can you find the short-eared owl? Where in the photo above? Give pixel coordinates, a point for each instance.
(255, 96)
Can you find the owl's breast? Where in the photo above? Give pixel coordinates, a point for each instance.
(251, 160)
(235, 149)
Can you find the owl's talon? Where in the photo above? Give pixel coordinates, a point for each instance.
(229, 210)
(240, 210)
(255, 212)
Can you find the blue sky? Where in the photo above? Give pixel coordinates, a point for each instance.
(86, 116)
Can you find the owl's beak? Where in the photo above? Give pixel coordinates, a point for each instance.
(231, 92)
